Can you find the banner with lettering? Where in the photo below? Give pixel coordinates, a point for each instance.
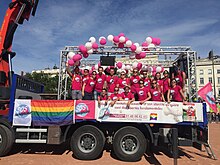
(149, 112)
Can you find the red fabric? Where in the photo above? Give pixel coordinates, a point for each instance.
(85, 78)
(90, 85)
(165, 85)
(147, 83)
(100, 82)
(142, 93)
(76, 82)
(134, 82)
(127, 96)
(114, 96)
(155, 95)
(206, 94)
(111, 83)
(175, 92)
(123, 83)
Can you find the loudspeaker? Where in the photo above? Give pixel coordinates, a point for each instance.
(107, 60)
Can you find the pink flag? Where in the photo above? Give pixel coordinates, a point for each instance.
(207, 95)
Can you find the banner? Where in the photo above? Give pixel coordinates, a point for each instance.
(85, 109)
(22, 113)
(149, 112)
(52, 112)
(207, 95)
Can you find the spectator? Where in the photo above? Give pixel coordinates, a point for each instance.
(100, 83)
(143, 93)
(111, 81)
(156, 94)
(166, 83)
(127, 95)
(76, 83)
(122, 81)
(175, 93)
(88, 87)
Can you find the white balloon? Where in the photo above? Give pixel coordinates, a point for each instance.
(132, 56)
(123, 67)
(110, 38)
(144, 68)
(149, 40)
(96, 67)
(138, 50)
(151, 46)
(127, 67)
(90, 51)
(92, 39)
(101, 38)
(134, 65)
(122, 39)
(136, 44)
(150, 69)
(70, 55)
(128, 43)
(158, 69)
(88, 45)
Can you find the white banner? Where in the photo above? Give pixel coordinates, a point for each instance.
(149, 112)
(22, 113)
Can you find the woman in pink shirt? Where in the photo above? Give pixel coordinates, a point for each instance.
(156, 94)
(166, 83)
(157, 77)
(175, 93)
(146, 79)
(88, 87)
(114, 96)
(143, 93)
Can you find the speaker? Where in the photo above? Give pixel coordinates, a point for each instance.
(107, 60)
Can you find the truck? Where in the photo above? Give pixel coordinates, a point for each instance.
(89, 128)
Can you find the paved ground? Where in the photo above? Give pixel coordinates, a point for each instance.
(51, 155)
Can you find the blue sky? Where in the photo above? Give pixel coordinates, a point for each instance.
(59, 23)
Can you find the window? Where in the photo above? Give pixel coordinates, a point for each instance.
(219, 91)
(201, 80)
(210, 79)
(218, 71)
(209, 71)
(218, 80)
(201, 72)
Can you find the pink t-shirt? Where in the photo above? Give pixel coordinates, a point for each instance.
(100, 80)
(111, 82)
(128, 96)
(165, 85)
(147, 83)
(90, 85)
(123, 83)
(134, 82)
(76, 82)
(155, 95)
(175, 93)
(179, 78)
(105, 97)
(142, 93)
(114, 96)
(84, 78)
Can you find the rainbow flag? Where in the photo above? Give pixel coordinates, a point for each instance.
(52, 112)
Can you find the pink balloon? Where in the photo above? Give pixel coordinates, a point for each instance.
(99, 64)
(95, 45)
(139, 66)
(158, 41)
(137, 56)
(144, 44)
(86, 55)
(133, 47)
(103, 41)
(119, 65)
(82, 48)
(154, 41)
(107, 69)
(90, 71)
(120, 45)
(71, 62)
(93, 67)
(154, 69)
(116, 39)
(77, 57)
(126, 38)
(142, 54)
(121, 34)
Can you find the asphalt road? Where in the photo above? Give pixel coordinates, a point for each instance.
(38, 154)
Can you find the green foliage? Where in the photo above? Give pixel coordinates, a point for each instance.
(50, 83)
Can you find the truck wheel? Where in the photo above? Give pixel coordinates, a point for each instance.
(87, 142)
(129, 144)
(6, 140)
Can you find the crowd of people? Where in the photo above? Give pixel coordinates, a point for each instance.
(138, 86)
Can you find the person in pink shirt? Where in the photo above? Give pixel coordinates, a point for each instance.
(156, 94)
(143, 93)
(76, 83)
(175, 93)
(111, 81)
(100, 83)
(85, 75)
(134, 80)
(88, 87)
(157, 77)
(114, 96)
(166, 83)
(146, 79)
(122, 81)
(180, 77)
(103, 97)
(127, 96)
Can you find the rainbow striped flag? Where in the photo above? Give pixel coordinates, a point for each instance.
(52, 112)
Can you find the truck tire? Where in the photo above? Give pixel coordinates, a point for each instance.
(129, 144)
(6, 140)
(87, 142)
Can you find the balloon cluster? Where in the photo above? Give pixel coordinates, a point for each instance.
(121, 41)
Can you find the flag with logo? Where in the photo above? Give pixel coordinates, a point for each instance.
(206, 94)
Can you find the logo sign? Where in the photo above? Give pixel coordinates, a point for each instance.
(22, 110)
(81, 109)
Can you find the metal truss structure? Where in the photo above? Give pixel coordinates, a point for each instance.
(177, 53)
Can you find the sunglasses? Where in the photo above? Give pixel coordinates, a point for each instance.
(134, 72)
(93, 74)
(141, 83)
(154, 83)
(122, 74)
(173, 81)
(116, 90)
